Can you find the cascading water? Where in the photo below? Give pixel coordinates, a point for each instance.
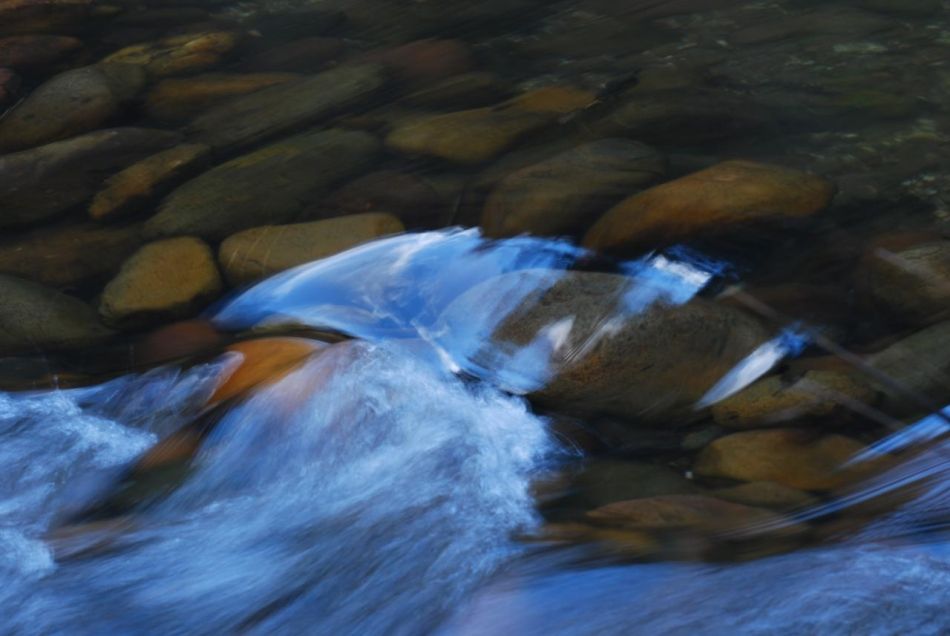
(379, 488)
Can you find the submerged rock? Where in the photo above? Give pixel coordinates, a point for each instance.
(566, 193)
(766, 494)
(596, 347)
(147, 179)
(717, 199)
(70, 103)
(920, 363)
(179, 54)
(288, 106)
(912, 284)
(68, 255)
(774, 402)
(307, 55)
(165, 279)
(409, 197)
(272, 184)
(791, 457)
(261, 251)
(467, 136)
(42, 16)
(178, 99)
(425, 60)
(43, 182)
(36, 318)
(37, 54)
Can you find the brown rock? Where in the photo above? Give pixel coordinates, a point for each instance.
(42, 16)
(407, 196)
(716, 199)
(68, 255)
(179, 54)
(177, 340)
(150, 178)
(465, 90)
(680, 511)
(34, 317)
(307, 55)
(774, 402)
(37, 54)
(425, 60)
(165, 279)
(43, 182)
(766, 494)
(647, 365)
(179, 99)
(791, 457)
(558, 100)
(467, 136)
(261, 251)
(564, 194)
(920, 363)
(69, 104)
(912, 284)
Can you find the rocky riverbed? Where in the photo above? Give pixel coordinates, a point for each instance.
(712, 244)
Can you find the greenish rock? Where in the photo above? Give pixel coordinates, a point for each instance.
(271, 185)
(34, 317)
(286, 107)
(43, 182)
(69, 104)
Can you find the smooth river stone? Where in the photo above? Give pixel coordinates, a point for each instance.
(43, 182)
(69, 104)
(717, 199)
(272, 184)
(37, 53)
(166, 279)
(912, 284)
(566, 193)
(261, 251)
(181, 98)
(288, 106)
(34, 317)
(179, 54)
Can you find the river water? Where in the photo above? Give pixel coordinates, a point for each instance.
(482, 381)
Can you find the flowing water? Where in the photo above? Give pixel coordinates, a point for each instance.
(474, 397)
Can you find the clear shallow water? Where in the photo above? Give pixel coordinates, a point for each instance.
(378, 490)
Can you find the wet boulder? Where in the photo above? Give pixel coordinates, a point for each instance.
(766, 494)
(165, 279)
(410, 197)
(465, 137)
(179, 54)
(42, 16)
(38, 54)
(816, 396)
(307, 55)
(69, 104)
(912, 284)
(289, 106)
(272, 184)
(43, 182)
(792, 457)
(34, 317)
(425, 61)
(720, 198)
(68, 254)
(178, 99)
(261, 251)
(153, 176)
(590, 343)
(566, 193)
(920, 365)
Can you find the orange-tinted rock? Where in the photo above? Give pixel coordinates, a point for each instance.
(150, 178)
(179, 54)
(679, 511)
(42, 16)
(426, 60)
(37, 53)
(179, 99)
(791, 457)
(715, 200)
(264, 360)
(177, 340)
